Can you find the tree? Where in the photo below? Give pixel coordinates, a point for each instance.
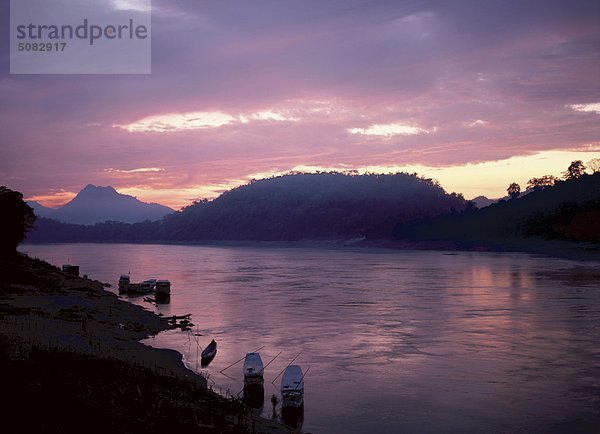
(514, 190)
(16, 219)
(575, 170)
(594, 165)
(544, 181)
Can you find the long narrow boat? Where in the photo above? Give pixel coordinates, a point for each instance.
(253, 369)
(210, 351)
(292, 387)
(144, 287)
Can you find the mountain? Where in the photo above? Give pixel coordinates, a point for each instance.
(568, 210)
(41, 210)
(482, 201)
(284, 208)
(98, 204)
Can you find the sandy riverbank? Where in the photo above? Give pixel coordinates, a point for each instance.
(53, 326)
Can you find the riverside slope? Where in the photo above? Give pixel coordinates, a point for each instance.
(70, 344)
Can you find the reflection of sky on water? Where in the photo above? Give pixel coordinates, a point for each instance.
(415, 341)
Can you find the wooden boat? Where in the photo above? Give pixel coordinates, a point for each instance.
(292, 387)
(210, 351)
(253, 369)
(124, 282)
(144, 287)
(163, 290)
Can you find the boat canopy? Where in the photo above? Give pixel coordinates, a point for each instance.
(292, 380)
(253, 365)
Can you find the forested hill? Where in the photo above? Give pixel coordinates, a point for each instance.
(569, 210)
(314, 206)
(286, 208)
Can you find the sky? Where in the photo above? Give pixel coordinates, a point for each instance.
(476, 94)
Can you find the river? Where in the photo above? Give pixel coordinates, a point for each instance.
(391, 341)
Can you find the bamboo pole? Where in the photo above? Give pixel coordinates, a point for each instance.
(302, 378)
(288, 365)
(235, 363)
(265, 367)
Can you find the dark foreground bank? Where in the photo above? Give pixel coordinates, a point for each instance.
(71, 361)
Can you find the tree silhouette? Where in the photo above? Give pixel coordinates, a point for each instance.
(16, 219)
(544, 181)
(514, 190)
(594, 165)
(575, 170)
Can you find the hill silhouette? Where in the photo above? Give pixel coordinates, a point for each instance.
(95, 204)
(314, 206)
(285, 208)
(41, 210)
(569, 203)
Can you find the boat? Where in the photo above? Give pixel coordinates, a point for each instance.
(71, 269)
(163, 290)
(142, 288)
(124, 283)
(210, 350)
(253, 369)
(292, 387)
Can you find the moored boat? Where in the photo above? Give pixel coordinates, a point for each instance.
(292, 387)
(142, 288)
(124, 283)
(71, 269)
(210, 351)
(163, 290)
(253, 369)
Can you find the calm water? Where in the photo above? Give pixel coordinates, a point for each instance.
(395, 341)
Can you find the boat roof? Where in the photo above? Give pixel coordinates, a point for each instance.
(252, 363)
(124, 276)
(292, 379)
(163, 281)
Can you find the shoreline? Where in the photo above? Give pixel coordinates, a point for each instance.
(48, 315)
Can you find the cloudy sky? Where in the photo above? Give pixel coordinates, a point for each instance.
(476, 94)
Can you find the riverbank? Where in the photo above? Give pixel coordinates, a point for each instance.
(75, 360)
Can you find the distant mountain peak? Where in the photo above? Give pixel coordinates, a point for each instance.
(97, 189)
(95, 204)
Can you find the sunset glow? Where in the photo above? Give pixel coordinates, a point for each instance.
(474, 95)
(388, 130)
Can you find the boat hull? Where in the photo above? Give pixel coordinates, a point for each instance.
(254, 395)
(253, 369)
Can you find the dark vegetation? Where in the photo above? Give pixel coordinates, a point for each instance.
(570, 221)
(16, 219)
(285, 208)
(57, 390)
(567, 210)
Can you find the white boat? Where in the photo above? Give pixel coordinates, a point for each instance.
(253, 369)
(163, 289)
(292, 387)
